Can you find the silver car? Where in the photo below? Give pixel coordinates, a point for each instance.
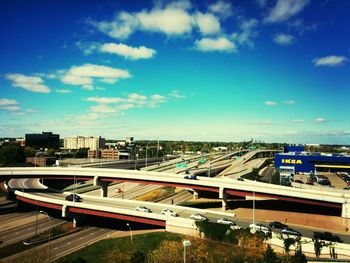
(143, 209)
(225, 221)
(168, 212)
(198, 217)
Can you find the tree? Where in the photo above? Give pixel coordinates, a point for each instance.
(270, 255)
(299, 257)
(168, 252)
(138, 257)
(11, 154)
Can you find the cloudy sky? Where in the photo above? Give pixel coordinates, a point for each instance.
(272, 70)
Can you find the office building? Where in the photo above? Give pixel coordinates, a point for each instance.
(44, 140)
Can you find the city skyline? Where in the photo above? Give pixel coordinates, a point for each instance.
(275, 71)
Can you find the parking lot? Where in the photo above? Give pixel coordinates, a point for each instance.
(325, 179)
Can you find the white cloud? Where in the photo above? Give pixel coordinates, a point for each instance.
(247, 33)
(320, 120)
(102, 108)
(10, 108)
(175, 94)
(7, 102)
(31, 83)
(76, 80)
(85, 74)
(171, 20)
(135, 97)
(63, 91)
(87, 48)
(132, 100)
(158, 98)
(283, 39)
(270, 103)
(105, 100)
(207, 23)
(221, 44)
(121, 28)
(330, 61)
(289, 102)
(284, 9)
(221, 8)
(128, 51)
(298, 121)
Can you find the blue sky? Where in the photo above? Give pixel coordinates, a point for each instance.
(271, 70)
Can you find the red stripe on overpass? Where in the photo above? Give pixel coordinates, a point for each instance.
(117, 216)
(284, 198)
(39, 203)
(95, 213)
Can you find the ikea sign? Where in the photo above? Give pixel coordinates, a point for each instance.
(291, 161)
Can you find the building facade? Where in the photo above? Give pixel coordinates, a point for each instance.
(305, 162)
(43, 140)
(79, 142)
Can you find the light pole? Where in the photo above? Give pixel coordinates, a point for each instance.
(43, 212)
(186, 243)
(146, 154)
(136, 160)
(253, 207)
(130, 231)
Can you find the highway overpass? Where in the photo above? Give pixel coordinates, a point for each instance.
(223, 186)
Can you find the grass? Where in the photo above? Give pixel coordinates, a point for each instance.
(157, 194)
(98, 252)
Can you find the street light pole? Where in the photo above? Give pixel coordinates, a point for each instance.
(130, 231)
(43, 212)
(146, 154)
(186, 243)
(253, 207)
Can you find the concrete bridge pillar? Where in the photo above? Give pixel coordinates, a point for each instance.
(103, 185)
(64, 211)
(345, 212)
(195, 195)
(224, 197)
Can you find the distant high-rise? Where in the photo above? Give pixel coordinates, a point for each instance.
(43, 140)
(78, 142)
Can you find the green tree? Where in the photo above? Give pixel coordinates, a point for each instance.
(299, 257)
(270, 256)
(11, 154)
(81, 153)
(138, 257)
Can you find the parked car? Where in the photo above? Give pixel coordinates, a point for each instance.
(276, 224)
(240, 179)
(259, 227)
(143, 209)
(198, 217)
(225, 221)
(327, 236)
(290, 231)
(73, 197)
(168, 212)
(190, 177)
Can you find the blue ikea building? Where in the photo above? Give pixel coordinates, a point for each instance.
(305, 162)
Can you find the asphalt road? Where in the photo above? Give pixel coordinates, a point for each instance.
(23, 232)
(66, 245)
